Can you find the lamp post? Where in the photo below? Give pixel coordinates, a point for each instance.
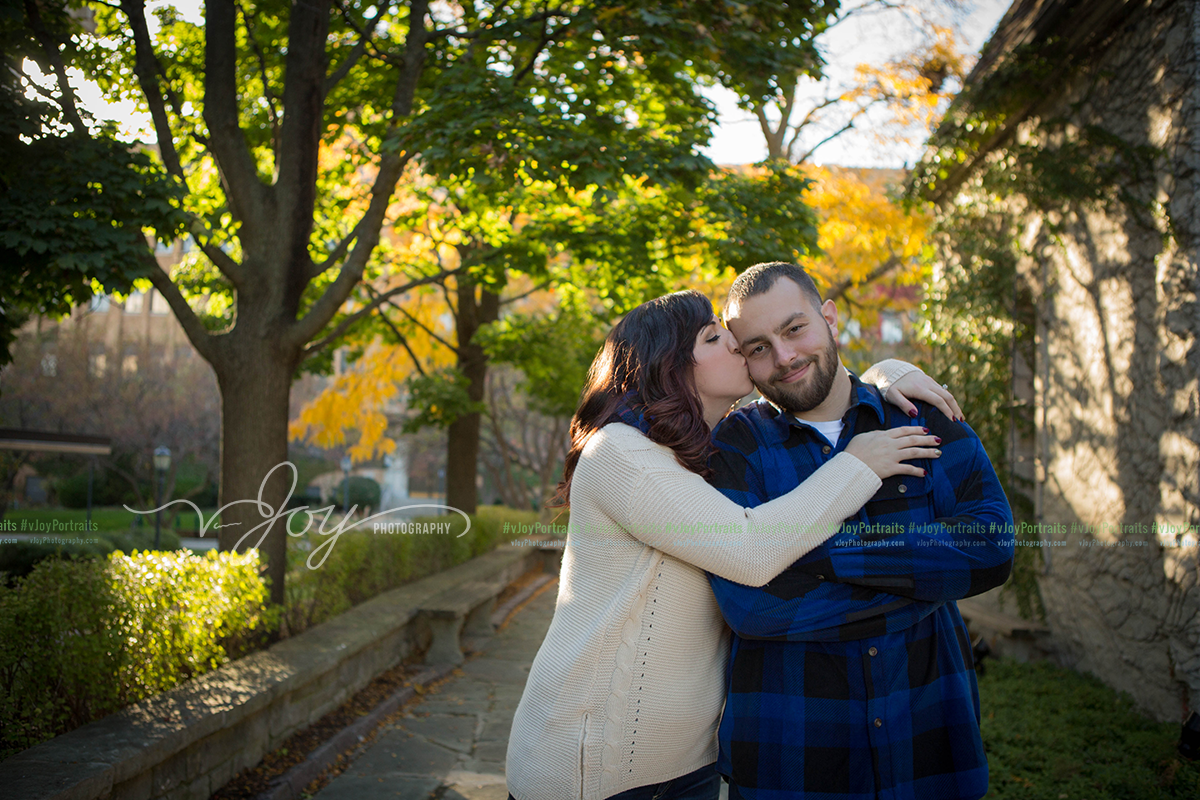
(346, 464)
(162, 462)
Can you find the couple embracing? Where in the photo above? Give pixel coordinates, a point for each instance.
(767, 594)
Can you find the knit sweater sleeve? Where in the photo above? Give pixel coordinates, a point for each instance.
(885, 373)
(642, 487)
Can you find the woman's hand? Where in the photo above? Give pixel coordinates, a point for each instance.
(916, 385)
(884, 451)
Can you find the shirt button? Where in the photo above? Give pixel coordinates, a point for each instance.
(874, 651)
(826, 449)
(903, 488)
(878, 722)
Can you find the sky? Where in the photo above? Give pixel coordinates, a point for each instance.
(737, 138)
(873, 39)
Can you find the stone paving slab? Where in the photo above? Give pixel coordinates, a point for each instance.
(451, 744)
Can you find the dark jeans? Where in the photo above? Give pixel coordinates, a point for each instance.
(703, 784)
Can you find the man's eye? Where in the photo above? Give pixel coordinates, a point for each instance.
(795, 329)
(759, 350)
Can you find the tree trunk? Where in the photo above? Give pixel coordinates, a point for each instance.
(255, 385)
(462, 448)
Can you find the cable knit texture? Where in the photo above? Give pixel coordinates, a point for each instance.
(627, 687)
(884, 374)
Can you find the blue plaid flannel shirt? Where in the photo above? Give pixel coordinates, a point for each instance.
(851, 673)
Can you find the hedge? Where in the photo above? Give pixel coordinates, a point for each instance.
(360, 564)
(82, 638)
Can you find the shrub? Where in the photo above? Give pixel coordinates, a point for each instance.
(1052, 733)
(364, 493)
(19, 558)
(107, 490)
(361, 565)
(81, 638)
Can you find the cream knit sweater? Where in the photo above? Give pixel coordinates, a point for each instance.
(628, 685)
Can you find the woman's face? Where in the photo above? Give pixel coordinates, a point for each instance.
(720, 372)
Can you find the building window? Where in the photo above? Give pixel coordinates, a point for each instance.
(97, 362)
(129, 361)
(99, 304)
(158, 303)
(133, 305)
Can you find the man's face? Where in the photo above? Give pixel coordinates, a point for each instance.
(790, 345)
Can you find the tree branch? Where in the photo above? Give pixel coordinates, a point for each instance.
(54, 57)
(339, 252)
(543, 285)
(316, 346)
(247, 196)
(365, 36)
(147, 69)
(400, 337)
(432, 334)
(204, 342)
(248, 18)
(838, 291)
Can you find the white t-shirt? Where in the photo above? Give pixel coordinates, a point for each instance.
(830, 429)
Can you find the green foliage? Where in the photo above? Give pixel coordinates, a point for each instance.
(80, 639)
(1051, 733)
(980, 313)
(107, 490)
(364, 493)
(553, 353)
(361, 565)
(112, 533)
(440, 398)
(75, 204)
(762, 215)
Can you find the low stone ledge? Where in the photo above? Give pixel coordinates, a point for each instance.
(167, 746)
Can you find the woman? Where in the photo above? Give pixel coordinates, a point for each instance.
(624, 696)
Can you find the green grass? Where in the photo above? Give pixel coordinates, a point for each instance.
(1051, 733)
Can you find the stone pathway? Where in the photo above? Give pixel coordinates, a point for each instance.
(451, 745)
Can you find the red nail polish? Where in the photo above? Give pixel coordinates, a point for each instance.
(925, 429)
(922, 473)
(912, 413)
(937, 439)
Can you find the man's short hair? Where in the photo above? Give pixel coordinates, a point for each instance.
(760, 278)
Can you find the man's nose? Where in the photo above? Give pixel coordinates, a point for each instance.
(784, 355)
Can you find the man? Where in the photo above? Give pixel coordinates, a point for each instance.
(850, 674)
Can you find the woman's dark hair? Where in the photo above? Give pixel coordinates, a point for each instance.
(646, 365)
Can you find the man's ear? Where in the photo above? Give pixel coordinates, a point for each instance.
(829, 312)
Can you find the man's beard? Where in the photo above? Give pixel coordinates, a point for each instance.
(812, 389)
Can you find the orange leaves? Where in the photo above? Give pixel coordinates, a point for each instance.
(362, 397)
(871, 243)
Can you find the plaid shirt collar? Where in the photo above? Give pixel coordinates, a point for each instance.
(861, 395)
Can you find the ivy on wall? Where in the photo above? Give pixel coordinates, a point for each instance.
(992, 166)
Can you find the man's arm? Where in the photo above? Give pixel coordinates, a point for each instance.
(967, 549)
(794, 605)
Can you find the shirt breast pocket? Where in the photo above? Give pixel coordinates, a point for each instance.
(903, 499)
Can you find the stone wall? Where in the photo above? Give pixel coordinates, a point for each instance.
(1117, 449)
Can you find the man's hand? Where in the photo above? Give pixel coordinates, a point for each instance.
(919, 386)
